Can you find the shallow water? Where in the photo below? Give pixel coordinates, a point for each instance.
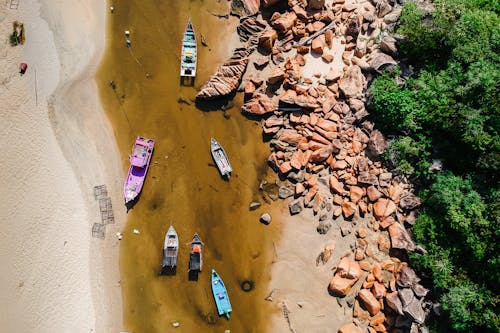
(183, 188)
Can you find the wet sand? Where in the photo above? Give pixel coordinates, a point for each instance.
(183, 188)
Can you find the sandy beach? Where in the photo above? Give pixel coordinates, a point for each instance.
(57, 146)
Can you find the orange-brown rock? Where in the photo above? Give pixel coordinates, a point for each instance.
(249, 88)
(349, 269)
(353, 83)
(285, 168)
(327, 57)
(321, 154)
(285, 22)
(274, 121)
(290, 136)
(329, 38)
(377, 273)
(260, 104)
(340, 286)
(373, 193)
(267, 39)
(305, 101)
(383, 242)
(356, 193)
(377, 319)
(276, 75)
(387, 221)
(383, 208)
(327, 125)
(299, 188)
(336, 186)
(350, 328)
(378, 290)
(310, 195)
(318, 44)
(340, 165)
(328, 104)
(348, 209)
(369, 301)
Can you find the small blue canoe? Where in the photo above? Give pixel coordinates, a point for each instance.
(220, 295)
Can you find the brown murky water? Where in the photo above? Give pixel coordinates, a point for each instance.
(183, 188)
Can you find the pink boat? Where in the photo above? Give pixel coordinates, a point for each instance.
(139, 163)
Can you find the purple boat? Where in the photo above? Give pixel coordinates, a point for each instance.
(139, 163)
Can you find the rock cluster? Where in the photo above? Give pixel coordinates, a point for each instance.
(227, 78)
(326, 153)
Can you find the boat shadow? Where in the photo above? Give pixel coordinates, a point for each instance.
(193, 275)
(218, 104)
(168, 271)
(187, 81)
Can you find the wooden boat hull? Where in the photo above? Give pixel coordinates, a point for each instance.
(139, 165)
(195, 254)
(220, 295)
(220, 157)
(189, 52)
(170, 249)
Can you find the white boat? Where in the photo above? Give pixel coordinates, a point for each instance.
(170, 249)
(220, 157)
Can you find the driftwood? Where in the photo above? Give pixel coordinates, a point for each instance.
(317, 33)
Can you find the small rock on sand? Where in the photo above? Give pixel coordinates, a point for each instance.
(265, 218)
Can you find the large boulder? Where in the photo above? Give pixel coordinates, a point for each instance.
(388, 45)
(409, 201)
(382, 62)
(376, 144)
(400, 239)
(353, 83)
(393, 301)
(227, 78)
(383, 208)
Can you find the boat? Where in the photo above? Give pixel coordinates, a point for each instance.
(139, 164)
(188, 52)
(195, 254)
(220, 157)
(220, 295)
(170, 249)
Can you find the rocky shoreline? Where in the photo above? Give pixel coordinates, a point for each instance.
(309, 63)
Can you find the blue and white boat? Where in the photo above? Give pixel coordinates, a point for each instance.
(220, 295)
(188, 52)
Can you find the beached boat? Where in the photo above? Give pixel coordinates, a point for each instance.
(170, 249)
(220, 157)
(188, 52)
(220, 295)
(195, 255)
(139, 164)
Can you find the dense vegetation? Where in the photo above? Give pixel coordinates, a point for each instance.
(444, 121)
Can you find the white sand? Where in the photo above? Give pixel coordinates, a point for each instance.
(56, 145)
(301, 284)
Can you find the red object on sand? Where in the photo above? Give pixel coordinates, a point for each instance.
(23, 67)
